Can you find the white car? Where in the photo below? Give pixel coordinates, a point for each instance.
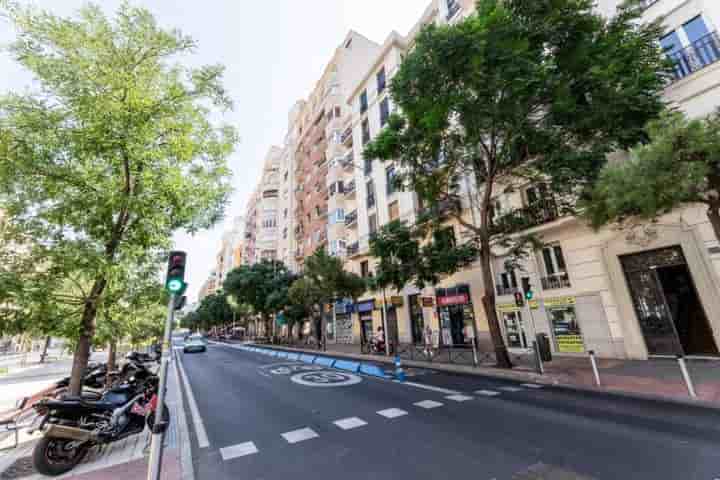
(195, 343)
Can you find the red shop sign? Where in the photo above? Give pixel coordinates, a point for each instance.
(460, 299)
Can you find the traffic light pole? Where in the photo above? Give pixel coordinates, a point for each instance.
(158, 433)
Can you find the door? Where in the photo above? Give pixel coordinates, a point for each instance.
(457, 324)
(392, 325)
(671, 316)
(514, 330)
(417, 321)
(366, 329)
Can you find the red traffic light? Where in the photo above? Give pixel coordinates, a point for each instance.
(519, 299)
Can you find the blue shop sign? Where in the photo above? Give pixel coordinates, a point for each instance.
(366, 306)
(344, 306)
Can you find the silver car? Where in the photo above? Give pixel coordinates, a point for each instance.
(195, 343)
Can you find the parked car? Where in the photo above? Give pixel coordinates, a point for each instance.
(194, 344)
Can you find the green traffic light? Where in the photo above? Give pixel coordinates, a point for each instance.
(529, 295)
(175, 285)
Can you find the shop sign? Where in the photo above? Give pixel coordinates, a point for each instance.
(343, 306)
(427, 301)
(397, 301)
(459, 299)
(570, 344)
(366, 306)
(534, 304)
(507, 307)
(559, 302)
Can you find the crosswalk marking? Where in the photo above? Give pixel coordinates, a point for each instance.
(428, 404)
(350, 423)
(392, 413)
(459, 398)
(532, 385)
(487, 393)
(239, 450)
(511, 389)
(299, 435)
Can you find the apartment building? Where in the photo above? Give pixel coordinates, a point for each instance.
(286, 205)
(209, 287)
(229, 256)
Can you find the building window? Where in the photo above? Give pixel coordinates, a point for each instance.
(337, 112)
(339, 216)
(453, 6)
(381, 81)
(365, 269)
(363, 102)
(372, 224)
(702, 49)
(394, 210)
(285, 232)
(553, 260)
(285, 212)
(270, 194)
(391, 180)
(365, 131)
(370, 192)
(384, 111)
(367, 166)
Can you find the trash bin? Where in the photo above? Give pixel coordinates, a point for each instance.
(543, 343)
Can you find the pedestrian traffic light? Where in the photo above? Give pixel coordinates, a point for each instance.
(175, 281)
(180, 302)
(527, 288)
(519, 301)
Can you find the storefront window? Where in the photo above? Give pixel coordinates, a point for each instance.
(514, 332)
(566, 329)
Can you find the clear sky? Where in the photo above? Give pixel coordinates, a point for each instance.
(274, 51)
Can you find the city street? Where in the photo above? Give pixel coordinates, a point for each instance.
(256, 416)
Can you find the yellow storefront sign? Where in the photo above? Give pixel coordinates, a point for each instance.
(507, 307)
(570, 344)
(559, 302)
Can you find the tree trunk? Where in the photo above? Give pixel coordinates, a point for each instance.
(43, 355)
(87, 332)
(111, 361)
(713, 213)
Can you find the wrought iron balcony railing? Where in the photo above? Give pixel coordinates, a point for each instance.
(698, 55)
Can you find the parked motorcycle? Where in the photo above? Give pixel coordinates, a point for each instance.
(74, 425)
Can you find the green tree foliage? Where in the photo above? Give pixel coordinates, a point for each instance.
(115, 151)
(520, 91)
(263, 286)
(679, 165)
(324, 280)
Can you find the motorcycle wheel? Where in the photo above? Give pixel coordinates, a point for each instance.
(55, 456)
(150, 419)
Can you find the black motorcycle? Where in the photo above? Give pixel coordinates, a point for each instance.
(74, 425)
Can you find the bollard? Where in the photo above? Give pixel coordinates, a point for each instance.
(475, 356)
(538, 359)
(399, 372)
(686, 376)
(596, 372)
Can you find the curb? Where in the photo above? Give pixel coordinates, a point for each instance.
(515, 376)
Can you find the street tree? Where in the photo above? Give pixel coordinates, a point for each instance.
(680, 165)
(323, 282)
(519, 91)
(116, 150)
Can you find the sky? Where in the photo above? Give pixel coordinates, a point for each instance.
(274, 52)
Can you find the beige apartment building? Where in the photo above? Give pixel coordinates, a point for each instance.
(650, 290)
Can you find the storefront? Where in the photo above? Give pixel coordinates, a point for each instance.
(564, 325)
(365, 314)
(515, 331)
(343, 321)
(417, 318)
(457, 317)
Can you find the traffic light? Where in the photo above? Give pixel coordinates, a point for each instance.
(519, 301)
(180, 302)
(175, 281)
(527, 288)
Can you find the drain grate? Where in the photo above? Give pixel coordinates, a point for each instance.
(23, 467)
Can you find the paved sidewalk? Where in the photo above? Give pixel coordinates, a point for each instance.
(123, 460)
(659, 378)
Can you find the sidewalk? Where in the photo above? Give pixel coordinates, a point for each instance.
(660, 378)
(123, 460)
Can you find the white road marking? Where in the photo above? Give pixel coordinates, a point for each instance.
(300, 435)
(200, 431)
(392, 413)
(431, 388)
(459, 398)
(487, 393)
(532, 385)
(428, 404)
(350, 423)
(511, 389)
(240, 450)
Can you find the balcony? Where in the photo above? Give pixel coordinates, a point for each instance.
(553, 282)
(370, 200)
(698, 55)
(502, 290)
(348, 161)
(541, 212)
(442, 208)
(346, 137)
(453, 8)
(353, 249)
(350, 189)
(351, 219)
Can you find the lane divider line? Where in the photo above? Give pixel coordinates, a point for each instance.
(532, 385)
(300, 435)
(200, 431)
(459, 398)
(511, 389)
(239, 450)
(392, 413)
(428, 404)
(446, 391)
(350, 423)
(487, 393)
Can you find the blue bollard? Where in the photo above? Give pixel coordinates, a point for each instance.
(399, 372)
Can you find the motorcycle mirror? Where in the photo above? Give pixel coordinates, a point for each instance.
(20, 404)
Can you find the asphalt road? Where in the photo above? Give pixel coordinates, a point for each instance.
(260, 424)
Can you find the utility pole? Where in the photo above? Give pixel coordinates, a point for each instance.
(176, 285)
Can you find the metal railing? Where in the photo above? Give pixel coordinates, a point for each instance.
(351, 218)
(347, 134)
(350, 189)
(543, 211)
(701, 53)
(453, 8)
(552, 282)
(353, 249)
